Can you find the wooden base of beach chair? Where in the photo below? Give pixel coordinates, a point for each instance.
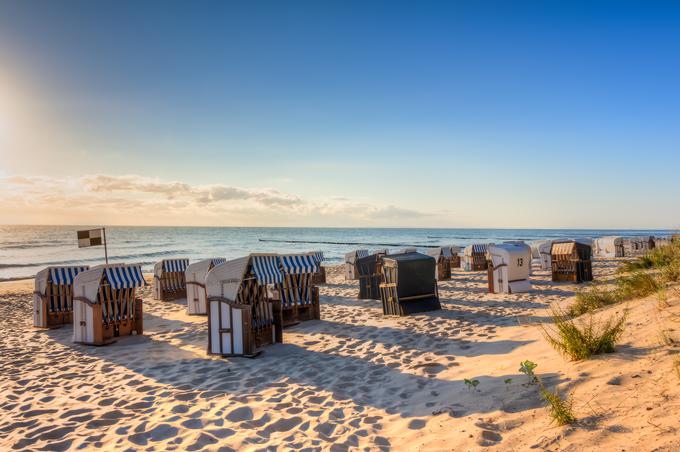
(571, 271)
(584, 274)
(320, 276)
(54, 308)
(455, 261)
(369, 287)
(232, 332)
(107, 333)
(50, 320)
(293, 315)
(394, 305)
(443, 269)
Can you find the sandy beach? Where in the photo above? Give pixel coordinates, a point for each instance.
(355, 380)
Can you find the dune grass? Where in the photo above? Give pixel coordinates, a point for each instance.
(634, 280)
(637, 284)
(656, 258)
(560, 409)
(579, 339)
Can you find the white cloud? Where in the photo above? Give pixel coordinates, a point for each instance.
(133, 199)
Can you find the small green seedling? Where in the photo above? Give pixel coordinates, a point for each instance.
(508, 382)
(471, 384)
(527, 367)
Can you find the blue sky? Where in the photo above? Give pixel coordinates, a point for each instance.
(469, 114)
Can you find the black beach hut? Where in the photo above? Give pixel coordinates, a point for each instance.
(409, 284)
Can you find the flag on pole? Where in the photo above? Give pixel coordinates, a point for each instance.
(91, 237)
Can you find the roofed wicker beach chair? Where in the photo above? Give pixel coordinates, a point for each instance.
(509, 268)
(53, 296)
(240, 312)
(320, 275)
(571, 261)
(105, 304)
(662, 241)
(474, 257)
(455, 256)
(637, 246)
(542, 251)
(197, 300)
(608, 247)
(350, 263)
(443, 257)
(369, 269)
(408, 284)
(298, 298)
(169, 279)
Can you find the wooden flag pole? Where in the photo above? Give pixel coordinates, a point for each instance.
(106, 252)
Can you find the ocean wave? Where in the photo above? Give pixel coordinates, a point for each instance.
(124, 257)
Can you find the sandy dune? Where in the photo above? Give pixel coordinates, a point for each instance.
(354, 380)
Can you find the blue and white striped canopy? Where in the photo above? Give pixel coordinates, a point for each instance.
(362, 253)
(124, 276)
(175, 265)
(479, 249)
(266, 269)
(298, 263)
(65, 275)
(217, 261)
(318, 256)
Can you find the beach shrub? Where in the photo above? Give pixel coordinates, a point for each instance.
(579, 339)
(560, 409)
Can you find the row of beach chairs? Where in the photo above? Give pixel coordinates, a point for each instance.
(101, 302)
(248, 300)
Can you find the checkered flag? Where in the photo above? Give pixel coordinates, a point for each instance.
(91, 237)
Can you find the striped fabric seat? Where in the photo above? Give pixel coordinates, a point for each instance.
(362, 253)
(125, 276)
(266, 269)
(175, 265)
(65, 275)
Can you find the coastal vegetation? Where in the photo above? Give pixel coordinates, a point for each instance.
(637, 278)
(581, 338)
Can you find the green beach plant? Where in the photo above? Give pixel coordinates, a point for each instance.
(579, 339)
(560, 409)
(471, 384)
(527, 368)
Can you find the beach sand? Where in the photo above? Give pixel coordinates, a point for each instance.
(353, 380)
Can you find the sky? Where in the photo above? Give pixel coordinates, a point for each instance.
(377, 114)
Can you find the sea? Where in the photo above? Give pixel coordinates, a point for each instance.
(25, 250)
